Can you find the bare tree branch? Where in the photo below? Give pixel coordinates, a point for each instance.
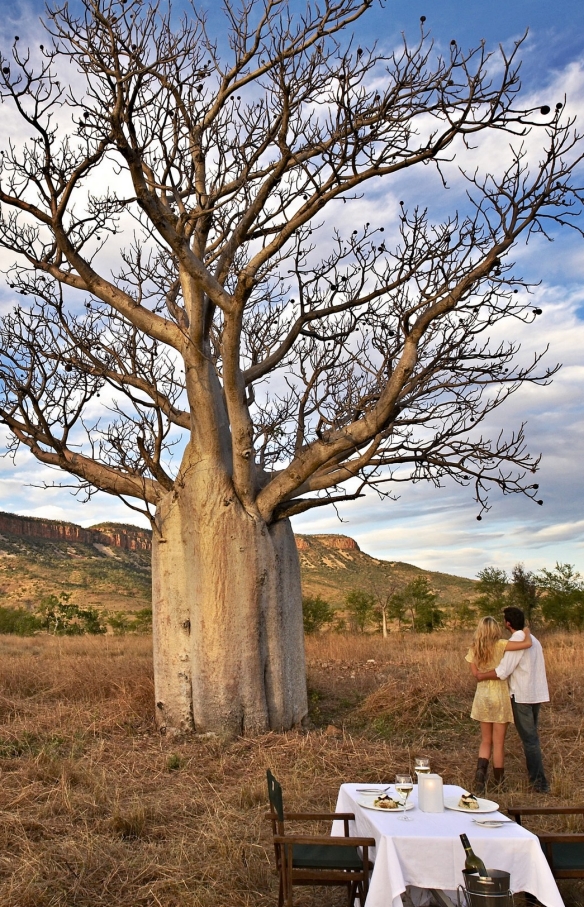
(175, 215)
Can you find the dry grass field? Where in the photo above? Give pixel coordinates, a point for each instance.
(97, 809)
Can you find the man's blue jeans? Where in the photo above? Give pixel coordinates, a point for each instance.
(526, 716)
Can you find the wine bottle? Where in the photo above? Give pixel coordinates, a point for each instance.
(472, 862)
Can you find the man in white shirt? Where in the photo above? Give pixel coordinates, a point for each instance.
(528, 688)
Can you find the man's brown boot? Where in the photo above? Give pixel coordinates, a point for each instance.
(481, 776)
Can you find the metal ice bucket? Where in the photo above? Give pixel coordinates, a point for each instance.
(490, 891)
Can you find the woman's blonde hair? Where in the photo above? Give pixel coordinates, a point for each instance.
(487, 634)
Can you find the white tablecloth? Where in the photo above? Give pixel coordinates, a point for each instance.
(427, 852)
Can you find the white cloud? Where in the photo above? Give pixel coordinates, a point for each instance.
(434, 528)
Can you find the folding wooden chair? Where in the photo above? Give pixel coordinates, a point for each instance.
(317, 860)
(564, 851)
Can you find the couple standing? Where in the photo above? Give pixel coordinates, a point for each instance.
(520, 660)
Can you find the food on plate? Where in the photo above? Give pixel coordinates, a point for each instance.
(468, 801)
(385, 802)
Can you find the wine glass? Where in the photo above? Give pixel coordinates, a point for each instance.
(422, 766)
(403, 785)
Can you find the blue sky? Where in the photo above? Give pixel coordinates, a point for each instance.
(437, 528)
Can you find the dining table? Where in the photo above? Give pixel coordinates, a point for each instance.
(425, 856)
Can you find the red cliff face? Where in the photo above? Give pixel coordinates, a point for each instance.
(340, 542)
(126, 537)
(129, 538)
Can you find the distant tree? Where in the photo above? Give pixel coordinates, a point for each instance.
(383, 608)
(464, 615)
(420, 601)
(58, 616)
(91, 620)
(562, 600)
(492, 586)
(361, 609)
(397, 607)
(143, 620)
(122, 622)
(523, 591)
(340, 625)
(384, 596)
(119, 621)
(316, 613)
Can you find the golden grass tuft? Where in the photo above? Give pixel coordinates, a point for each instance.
(96, 808)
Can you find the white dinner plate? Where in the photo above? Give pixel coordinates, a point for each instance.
(369, 804)
(485, 806)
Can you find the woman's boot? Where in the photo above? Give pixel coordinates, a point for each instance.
(481, 776)
(499, 778)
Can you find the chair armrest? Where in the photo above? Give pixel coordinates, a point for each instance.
(324, 840)
(562, 837)
(544, 810)
(319, 816)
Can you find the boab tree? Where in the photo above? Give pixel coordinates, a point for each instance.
(164, 208)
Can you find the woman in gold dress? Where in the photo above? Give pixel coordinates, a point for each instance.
(492, 705)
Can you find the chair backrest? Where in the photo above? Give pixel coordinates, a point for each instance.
(565, 854)
(275, 796)
(565, 850)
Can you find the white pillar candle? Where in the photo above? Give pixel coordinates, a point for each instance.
(430, 793)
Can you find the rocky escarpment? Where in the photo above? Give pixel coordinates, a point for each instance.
(130, 538)
(339, 542)
(112, 535)
(120, 535)
(108, 566)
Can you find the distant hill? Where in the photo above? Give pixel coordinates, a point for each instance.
(118, 535)
(108, 566)
(333, 565)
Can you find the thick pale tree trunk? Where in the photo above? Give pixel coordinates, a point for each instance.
(228, 633)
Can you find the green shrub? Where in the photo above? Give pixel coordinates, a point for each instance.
(562, 600)
(123, 622)
(18, 621)
(361, 608)
(56, 615)
(316, 613)
(119, 621)
(174, 762)
(417, 602)
(142, 622)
